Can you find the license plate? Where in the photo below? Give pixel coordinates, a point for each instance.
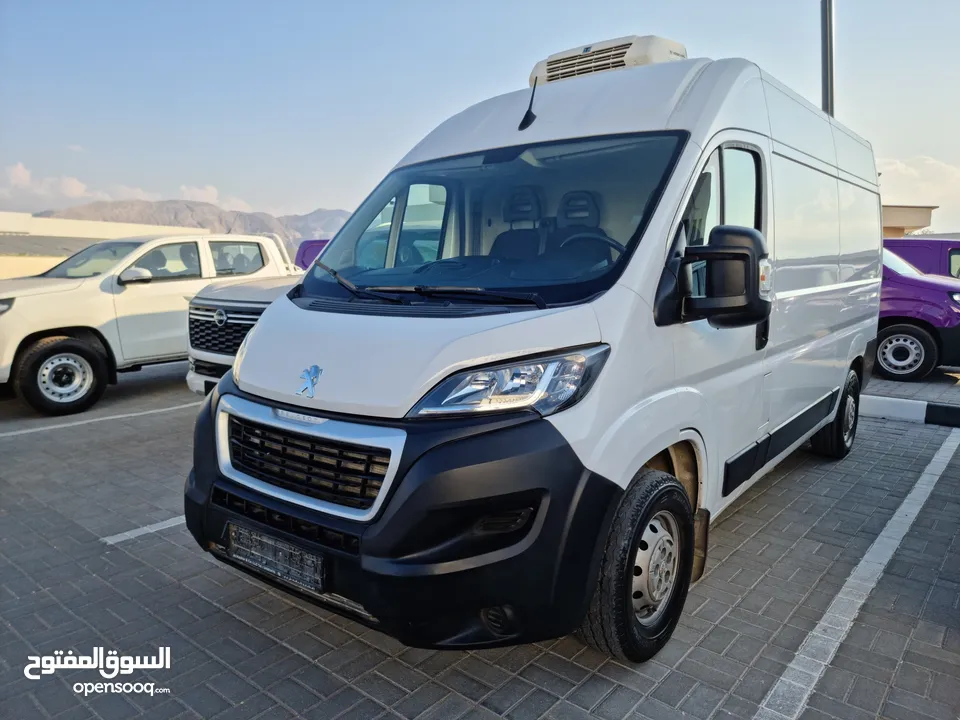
(276, 558)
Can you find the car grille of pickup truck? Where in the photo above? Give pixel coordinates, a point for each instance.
(220, 333)
(327, 470)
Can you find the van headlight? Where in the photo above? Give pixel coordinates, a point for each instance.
(241, 351)
(546, 384)
(955, 296)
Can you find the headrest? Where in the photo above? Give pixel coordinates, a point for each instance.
(578, 209)
(188, 253)
(522, 205)
(155, 260)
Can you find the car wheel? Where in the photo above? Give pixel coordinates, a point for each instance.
(60, 375)
(906, 352)
(836, 439)
(645, 571)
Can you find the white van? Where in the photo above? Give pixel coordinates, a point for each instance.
(653, 279)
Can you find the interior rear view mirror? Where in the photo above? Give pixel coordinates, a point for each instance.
(728, 278)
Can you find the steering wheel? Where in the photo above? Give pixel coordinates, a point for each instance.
(409, 255)
(595, 236)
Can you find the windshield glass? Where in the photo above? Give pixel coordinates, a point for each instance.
(555, 219)
(93, 260)
(899, 265)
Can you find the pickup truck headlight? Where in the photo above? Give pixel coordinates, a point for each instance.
(5, 305)
(546, 384)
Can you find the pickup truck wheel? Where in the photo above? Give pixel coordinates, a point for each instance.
(645, 571)
(60, 375)
(906, 352)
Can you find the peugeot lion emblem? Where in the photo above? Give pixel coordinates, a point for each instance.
(310, 376)
(220, 318)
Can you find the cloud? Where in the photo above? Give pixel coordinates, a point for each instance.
(21, 191)
(923, 181)
(210, 194)
(76, 148)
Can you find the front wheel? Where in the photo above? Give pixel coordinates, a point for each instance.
(906, 352)
(60, 375)
(645, 571)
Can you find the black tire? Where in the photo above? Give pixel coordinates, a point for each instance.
(611, 624)
(908, 342)
(834, 440)
(27, 384)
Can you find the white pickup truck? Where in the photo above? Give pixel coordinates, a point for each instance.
(220, 318)
(114, 307)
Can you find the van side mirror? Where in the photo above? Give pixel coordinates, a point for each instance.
(134, 275)
(736, 278)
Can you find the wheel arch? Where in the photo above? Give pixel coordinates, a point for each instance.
(890, 321)
(87, 334)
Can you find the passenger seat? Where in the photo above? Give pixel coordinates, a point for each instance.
(522, 205)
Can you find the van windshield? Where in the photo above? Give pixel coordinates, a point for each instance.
(899, 265)
(557, 220)
(93, 260)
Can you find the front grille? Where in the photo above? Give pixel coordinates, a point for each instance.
(288, 523)
(209, 369)
(319, 468)
(589, 62)
(225, 339)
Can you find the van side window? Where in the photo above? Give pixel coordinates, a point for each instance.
(703, 215)
(371, 250)
(955, 263)
(703, 210)
(419, 239)
(741, 188)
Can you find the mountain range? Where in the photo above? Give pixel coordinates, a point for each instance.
(321, 223)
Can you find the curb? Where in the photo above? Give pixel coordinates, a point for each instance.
(918, 411)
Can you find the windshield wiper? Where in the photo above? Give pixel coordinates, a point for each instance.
(435, 290)
(353, 289)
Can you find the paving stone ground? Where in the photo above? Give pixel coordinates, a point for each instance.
(242, 650)
(941, 386)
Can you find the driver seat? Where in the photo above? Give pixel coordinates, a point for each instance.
(579, 213)
(522, 205)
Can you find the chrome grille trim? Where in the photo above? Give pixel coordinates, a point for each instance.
(384, 438)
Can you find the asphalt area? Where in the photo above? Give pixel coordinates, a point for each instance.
(833, 590)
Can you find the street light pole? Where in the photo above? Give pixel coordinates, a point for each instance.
(826, 55)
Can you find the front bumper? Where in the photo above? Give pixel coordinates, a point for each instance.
(421, 569)
(203, 375)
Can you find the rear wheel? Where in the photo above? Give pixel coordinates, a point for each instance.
(836, 439)
(60, 375)
(906, 352)
(645, 572)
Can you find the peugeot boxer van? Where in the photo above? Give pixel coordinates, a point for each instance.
(603, 307)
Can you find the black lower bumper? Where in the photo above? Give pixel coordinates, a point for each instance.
(949, 345)
(492, 533)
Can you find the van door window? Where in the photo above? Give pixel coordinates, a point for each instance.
(741, 188)
(371, 249)
(236, 258)
(420, 232)
(703, 215)
(955, 263)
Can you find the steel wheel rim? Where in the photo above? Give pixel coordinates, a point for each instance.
(65, 377)
(901, 354)
(849, 419)
(655, 568)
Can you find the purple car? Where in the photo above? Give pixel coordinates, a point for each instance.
(919, 320)
(308, 251)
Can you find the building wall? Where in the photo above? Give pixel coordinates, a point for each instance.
(26, 224)
(23, 265)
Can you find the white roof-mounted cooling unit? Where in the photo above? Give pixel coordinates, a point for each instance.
(615, 54)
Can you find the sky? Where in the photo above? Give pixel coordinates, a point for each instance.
(288, 106)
